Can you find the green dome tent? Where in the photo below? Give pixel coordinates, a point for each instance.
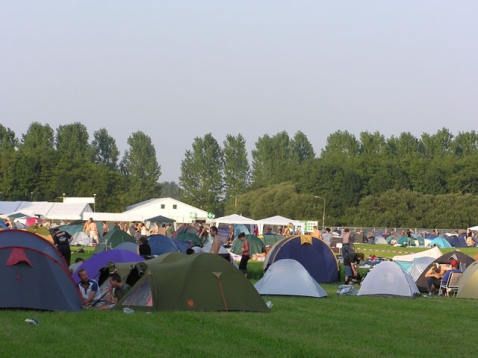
(178, 282)
(112, 239)
(270, 240)
(257, 246)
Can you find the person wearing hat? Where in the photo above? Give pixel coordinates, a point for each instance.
(446, 277)
(434, 277)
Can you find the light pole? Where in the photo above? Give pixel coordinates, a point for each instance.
(94, 203)
(31, 196)
(323, 214)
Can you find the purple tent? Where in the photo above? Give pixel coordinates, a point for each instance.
(95, 263)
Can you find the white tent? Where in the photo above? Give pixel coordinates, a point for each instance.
(388, 279)
(473, 228)
(279, 221)
(81, 239)
(233, 219)
(419, 265)
(434, 252)
(288, 277)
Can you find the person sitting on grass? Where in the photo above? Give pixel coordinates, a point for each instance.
(117, 288)
(349, 264)
(89, 289)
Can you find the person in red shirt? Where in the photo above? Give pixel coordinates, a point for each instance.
(245, 250)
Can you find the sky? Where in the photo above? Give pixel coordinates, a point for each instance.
(178, 70)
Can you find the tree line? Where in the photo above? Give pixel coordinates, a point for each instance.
(369, 180)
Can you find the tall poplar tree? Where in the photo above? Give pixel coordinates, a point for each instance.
(141, 169)
(236, 166)
(201, 177)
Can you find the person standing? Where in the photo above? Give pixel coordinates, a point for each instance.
(169, 230)
(91, 230)
(327, 236)
(106, 228)
(216, 241)
(316, 233)
(245, 251)
(346, 243)
(61, 240)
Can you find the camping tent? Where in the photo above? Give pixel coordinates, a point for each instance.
(468, 287)
(128, 246)
(418, 266)
(314, 254)
(161, 244)
(80, 239)
(112, 239)
(199, 282)
(444, 259)
(34, 275)
(289, 278)
(457, 241)
(279, 221)
(270, 240)
(433, 252)
(256, 245)
(380, 240)
(440, 242)
(191, 239)
(184, 229)
(235, 219)
(390, 280)
(96, 262)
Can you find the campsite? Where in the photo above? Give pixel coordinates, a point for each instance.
(294, 327)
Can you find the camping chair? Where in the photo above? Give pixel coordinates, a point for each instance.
(452, 285)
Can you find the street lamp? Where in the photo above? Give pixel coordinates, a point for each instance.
(323, 214)
(31, 196)
(94, 203)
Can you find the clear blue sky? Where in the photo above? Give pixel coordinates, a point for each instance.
(177, 70)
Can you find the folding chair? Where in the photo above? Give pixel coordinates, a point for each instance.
(453, 283)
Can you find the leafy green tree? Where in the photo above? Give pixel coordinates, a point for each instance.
(465, 144)
(105, 150)
(201, 177)
(341, 147)
(8, 140)
(39, 138)
(236, 166)
(141, 169)
(72, 142)
(8, 143)
(170, 190)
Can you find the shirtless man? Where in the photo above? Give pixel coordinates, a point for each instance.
(216, 244)
(91, 230)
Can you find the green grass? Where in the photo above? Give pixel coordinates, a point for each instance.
(336, 326)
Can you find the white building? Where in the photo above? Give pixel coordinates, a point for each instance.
(168, 207)
(81, 210)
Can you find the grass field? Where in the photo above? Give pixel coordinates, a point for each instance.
(336, 326)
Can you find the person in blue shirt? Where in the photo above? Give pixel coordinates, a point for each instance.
(446, 276)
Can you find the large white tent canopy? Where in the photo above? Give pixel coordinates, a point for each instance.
(278, 221)
(233, 219)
